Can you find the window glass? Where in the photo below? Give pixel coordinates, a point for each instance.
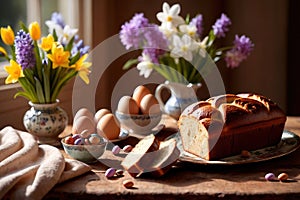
(47, 8)
(11, 13)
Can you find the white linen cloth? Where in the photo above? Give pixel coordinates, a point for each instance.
(29, 170)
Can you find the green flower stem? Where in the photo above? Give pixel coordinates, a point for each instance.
(38, 60)
(28, 73)
(46, 85)
(29, 90)
(57, 73)
(184, 67)
(61, 83)
(39, 91)
(13, 53)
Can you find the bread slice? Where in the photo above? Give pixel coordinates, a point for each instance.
(165, 157)
(155, 163)
(146, 145)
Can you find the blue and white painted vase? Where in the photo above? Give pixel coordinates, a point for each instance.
(46, 122)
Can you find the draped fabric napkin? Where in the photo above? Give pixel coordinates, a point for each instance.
(29, 170)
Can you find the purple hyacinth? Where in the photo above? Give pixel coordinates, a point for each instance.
(24, 50)
(156, 43)
(221, 26)
(198, 22)
(58, 19)
(240, 51)
(131, 33)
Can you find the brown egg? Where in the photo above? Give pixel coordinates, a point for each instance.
(139, 93)
(128, 105)
(84, 123)
(83, 112)
(100, 113)
(149, 105)
(109, 127)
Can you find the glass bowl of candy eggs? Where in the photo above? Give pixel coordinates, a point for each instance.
(86, 149)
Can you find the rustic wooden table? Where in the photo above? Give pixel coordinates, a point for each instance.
(193, 181)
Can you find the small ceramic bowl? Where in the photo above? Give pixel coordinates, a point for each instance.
(85, 153)
(139, 124)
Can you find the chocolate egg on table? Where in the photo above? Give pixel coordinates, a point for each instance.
(109, 127)
(139, 93)
(83, 124)
(149, 105)
(128, 105)
(83, 112)
(100, 113)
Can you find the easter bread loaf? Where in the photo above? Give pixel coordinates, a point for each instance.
(227, 124)
(151, 161)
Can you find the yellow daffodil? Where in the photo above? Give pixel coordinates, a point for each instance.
(47, 42)
(14, 71)
(35, 31)
(83, 68)
(3, 51)
(7, 35)
(59, 57)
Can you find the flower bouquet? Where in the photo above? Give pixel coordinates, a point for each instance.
(44, 65)
(177, 48)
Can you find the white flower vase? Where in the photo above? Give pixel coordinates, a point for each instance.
(182, 95)
(46, 122)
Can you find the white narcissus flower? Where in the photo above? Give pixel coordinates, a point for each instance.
(170, 16)
(146, 66)
(183, 47)
(202, 46)
(53, 26)
(168, 31)
(189, 29)
(67, 34)
(64, 34)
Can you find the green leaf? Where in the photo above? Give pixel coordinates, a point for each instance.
(24, 27)
(55, 35)
(23, 94)
(57, 88)
(39, 91)
(129, 63)
(187, 19)
(28, 73)
(70, 44)
(75, 58)
(28, 88)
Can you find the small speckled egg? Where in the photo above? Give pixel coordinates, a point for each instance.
(79, 141)
(139, 93)
(128, 105)
(69, 140)
(84, 123)
(128, 184)
(127, 148)
(100, 113)
(109, 127)
(116, 149)
(85, 134)
(149, 105)
(110, 172)
(83, 112)
(283, 176)
(95, 139)
(270, 177)
(76, 136)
